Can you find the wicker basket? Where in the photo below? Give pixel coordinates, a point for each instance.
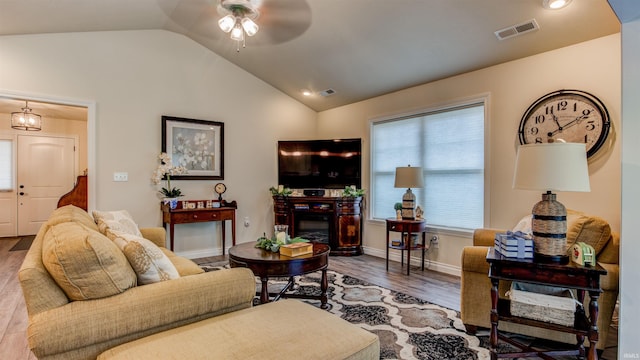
(549, 227)
(543, 303)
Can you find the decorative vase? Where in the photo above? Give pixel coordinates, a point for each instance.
(173, 202)
(399, 214)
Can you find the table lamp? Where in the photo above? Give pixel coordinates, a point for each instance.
(409, 177)
(551, 167)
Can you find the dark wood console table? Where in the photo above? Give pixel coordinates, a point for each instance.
(418, 226)
(573, 276)
(339, 220)
(227, 211)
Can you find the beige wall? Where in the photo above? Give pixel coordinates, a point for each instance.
(135, 77)
(592, 66)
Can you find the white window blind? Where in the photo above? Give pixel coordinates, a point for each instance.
(6, 165)
(449, 146)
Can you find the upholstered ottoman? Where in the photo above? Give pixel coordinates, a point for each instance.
(286, 329)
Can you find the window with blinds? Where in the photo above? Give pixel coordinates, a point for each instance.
(6, 165)
(449, 146)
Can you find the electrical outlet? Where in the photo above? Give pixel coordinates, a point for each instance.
(434, 241)
(246, 222)
(120, 176)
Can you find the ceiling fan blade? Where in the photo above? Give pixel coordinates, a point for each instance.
(279, 20)
(282, 20)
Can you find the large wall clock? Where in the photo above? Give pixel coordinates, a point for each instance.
(569, 115)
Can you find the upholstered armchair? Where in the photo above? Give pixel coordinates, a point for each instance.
(475, 294)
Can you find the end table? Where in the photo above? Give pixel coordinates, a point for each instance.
(573, 276)
(406, 227)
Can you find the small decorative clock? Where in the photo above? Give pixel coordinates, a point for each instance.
(220, 188)
(566, 115)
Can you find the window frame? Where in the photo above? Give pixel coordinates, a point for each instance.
(481, 99)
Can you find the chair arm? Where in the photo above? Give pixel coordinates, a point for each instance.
(142, 308)
(485, 236)
(474, 259)
(157, 235)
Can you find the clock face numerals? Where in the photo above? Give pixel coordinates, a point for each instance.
(569, 115)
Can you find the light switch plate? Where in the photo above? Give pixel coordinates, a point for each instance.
(120, 176)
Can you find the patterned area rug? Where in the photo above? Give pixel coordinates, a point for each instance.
(408, 327)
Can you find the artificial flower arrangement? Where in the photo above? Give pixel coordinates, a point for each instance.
(274, 243)
(166, 169)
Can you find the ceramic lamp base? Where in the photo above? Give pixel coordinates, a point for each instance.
(408, 205)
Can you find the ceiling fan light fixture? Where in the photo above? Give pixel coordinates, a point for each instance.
(26, 120)
(227, 23)
(237, 33)
(555, 4)
(249, 26)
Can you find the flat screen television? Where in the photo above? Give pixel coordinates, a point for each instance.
(320, 164)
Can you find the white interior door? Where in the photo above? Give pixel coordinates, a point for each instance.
(46, 171)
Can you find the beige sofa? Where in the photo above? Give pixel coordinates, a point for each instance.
(193, 314)
(60, 328)
(475, 297)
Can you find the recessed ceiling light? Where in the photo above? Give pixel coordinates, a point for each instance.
(307, 93)
(555, 4)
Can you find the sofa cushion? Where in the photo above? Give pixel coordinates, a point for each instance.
(119, 220)
(590, 229)
(184, 266)
(146, 258)
(71, 213)
(84, 263)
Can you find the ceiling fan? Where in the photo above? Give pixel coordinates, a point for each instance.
(276, 21)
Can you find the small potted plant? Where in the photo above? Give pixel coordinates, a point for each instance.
(280, 191)
(398, 207)
(352, 191)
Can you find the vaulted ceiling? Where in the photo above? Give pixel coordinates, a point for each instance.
(358, 48)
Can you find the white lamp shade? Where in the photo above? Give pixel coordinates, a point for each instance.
(552, 167)
(249, 26)
(227, 23)
(409, 177)
(237, 33)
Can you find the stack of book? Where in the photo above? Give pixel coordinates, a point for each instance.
(514, 245)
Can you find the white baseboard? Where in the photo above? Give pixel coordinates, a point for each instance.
(415, 261)
(195, 254)
(393, 256)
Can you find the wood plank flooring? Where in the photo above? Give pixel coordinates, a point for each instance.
(438, 288)
(13, 313)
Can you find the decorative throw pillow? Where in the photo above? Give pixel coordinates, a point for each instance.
(146, 258)
(84, 263)
(117, 221)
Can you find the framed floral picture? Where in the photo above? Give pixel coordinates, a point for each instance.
(198, 145)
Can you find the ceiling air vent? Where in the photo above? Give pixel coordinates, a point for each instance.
(517, 29)
(327, 92)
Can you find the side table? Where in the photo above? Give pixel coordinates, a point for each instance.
(406, 227)
(573, 276)
(185, 216)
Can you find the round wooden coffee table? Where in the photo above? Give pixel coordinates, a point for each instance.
(266, 264)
